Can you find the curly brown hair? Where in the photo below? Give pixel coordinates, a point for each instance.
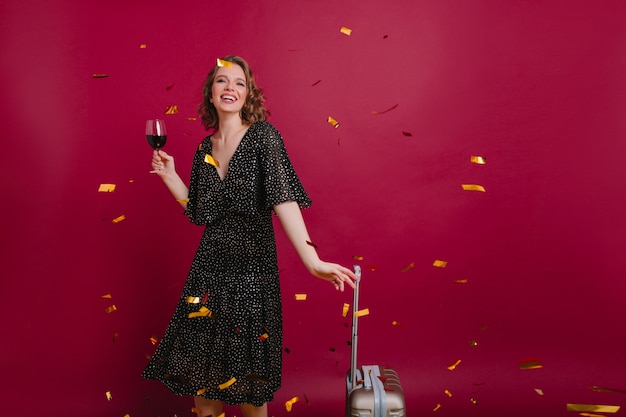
(253, 109)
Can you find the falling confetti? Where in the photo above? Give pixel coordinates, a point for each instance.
(106, 188)
(440, 264)
(119, 219)
(473, 187)
(461, 281)
(108, 395)
(316, 83)
(193, 300)
(407, 133)
(106, 296)
(539, 391)
(397, 323)
(371, 267)
(333, 122)
(289, 403)
(478, 160)
(473, 343)
(454, 365)
(448, 393)
(263, 337)
(604, 389)
(408, 267)
(473, 401)
(534, 363)
(228, 383)
(211, 161)
(183, 200)
(201, 391)
(143, 46)
(346, 31)
(153, 340)
(593, 407)
(100, 75)
(300, 297)
(361, 313)
(172, 110)
(203, 312)
(346, 308)
(385, 111)
(110, 308)
(223, 63)
(169, 87)
(357, 258)
(437, 407)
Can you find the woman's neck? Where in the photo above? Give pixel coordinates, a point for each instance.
(229, 127)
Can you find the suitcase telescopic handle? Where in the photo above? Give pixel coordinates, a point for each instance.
(355, 324)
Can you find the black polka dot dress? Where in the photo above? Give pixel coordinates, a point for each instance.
(224, 341)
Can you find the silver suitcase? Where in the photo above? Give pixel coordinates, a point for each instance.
(371, 391)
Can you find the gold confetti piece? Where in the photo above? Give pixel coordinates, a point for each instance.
(346, 31)
(357, 258)
(263, 337)
(454, 365)
(437, 407)
(407, 133)
(192, 119)
(396, 323)
(110, 308)
(473, 400)
(106, 296)
(201, 391)
(440, 264)
(593, 407)
(196, 410)
(172, 110)
(203, 312)
(408, 267)
(143, 46)
(448, 393)
(346, 308)
(473, 187)
(108, 395)
(289, 403)
(539, 391)
(461, 281)
(478, 160)
(361, 313)
(106, 188)
(193, 300)
(211, 161)
(183, 200)
(385, 111)
(228, 383)
(533, 363)
(131, 180)
(604, 389)
(333, 122)
(119, 219)
(300, 297)
(473, 343)
(153, 340)
(224, 63)
(371, 267)
(100, 75)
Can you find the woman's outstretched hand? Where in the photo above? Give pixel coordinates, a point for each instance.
(162, 164)
(338, 275)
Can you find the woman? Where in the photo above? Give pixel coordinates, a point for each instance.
(224, 342)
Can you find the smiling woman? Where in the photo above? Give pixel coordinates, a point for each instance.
(228, 349)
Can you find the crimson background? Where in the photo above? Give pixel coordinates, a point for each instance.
(536, 87)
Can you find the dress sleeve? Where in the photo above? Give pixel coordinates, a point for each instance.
(202, 204)
(280, 182)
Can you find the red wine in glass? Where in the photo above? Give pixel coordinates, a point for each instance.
(156, 133)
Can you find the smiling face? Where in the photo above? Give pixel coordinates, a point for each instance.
(229, 91)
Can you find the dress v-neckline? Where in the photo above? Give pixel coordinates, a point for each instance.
(235, 152)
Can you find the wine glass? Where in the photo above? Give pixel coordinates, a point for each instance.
(156, 133)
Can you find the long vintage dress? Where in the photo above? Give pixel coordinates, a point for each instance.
(231, 348)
